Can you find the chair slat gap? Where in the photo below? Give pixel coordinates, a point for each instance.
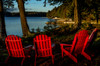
(50, 46)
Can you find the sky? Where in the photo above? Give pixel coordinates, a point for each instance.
(34, 5)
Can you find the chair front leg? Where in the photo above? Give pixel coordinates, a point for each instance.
(86, 55)
(35, 61)
(62, 51)
(70, 56)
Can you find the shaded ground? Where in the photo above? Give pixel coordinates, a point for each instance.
(58, 60)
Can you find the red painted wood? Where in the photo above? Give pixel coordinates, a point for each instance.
(43, 47)
(81, 38)
(88, 42)
(14, 47)
(76, 47)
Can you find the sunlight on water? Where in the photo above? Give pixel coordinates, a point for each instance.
(13, 24)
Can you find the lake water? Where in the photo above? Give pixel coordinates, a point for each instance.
(13, 24)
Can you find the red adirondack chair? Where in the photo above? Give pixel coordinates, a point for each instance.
(90, 40)
(15, 48)
(42, 44)
(76, 47)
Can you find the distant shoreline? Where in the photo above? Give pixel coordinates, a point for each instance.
(70, 21)
(28, 14)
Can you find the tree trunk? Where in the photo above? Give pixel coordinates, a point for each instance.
(77, 14)
(25, 28)
(97, 16)
(2, 22)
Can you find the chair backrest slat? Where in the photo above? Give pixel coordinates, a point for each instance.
(18, 52)
(14, 46)
(43, 38)
(42, 44)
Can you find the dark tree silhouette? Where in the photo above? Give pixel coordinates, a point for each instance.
(2, 22)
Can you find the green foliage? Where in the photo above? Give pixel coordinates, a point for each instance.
(38, 30)
(60, 34)
(86, 26)
(8, 3)
(89, 9)
(58, 30)
(33, 30)
(63, 11)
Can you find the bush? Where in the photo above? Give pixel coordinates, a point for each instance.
(86, 26)
(38, 30)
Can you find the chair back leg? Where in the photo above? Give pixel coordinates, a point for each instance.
(22, 61)
(7, 59)
(35, 61)
(53, 59)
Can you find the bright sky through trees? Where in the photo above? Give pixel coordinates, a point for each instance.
(33, 5)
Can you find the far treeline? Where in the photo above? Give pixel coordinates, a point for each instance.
(89, 11)
(29, 14)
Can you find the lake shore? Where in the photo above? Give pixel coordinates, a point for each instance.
(70, 21)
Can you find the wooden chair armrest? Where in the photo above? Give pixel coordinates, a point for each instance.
(53, 45)
(28, 47)
(33, 48)
(65, 45)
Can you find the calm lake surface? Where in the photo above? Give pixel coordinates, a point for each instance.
(13, 24)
